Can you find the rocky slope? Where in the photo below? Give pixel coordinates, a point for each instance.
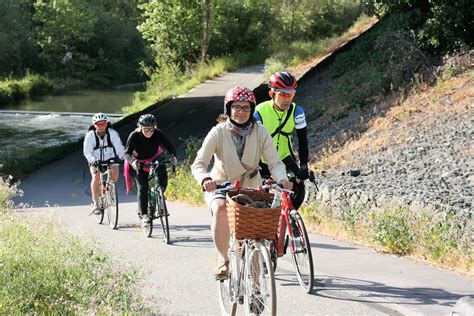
(416, 152)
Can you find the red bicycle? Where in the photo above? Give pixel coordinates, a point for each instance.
(296, 237)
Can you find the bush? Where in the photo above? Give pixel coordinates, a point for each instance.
(12, 90)
(390, 229)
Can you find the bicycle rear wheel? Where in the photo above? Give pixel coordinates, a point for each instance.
(301, 253)
(260, 291)
(163, 214)
(112, 205)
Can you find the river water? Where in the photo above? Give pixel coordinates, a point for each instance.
(23, 133)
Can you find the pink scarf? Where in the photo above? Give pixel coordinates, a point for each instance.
(126, 168)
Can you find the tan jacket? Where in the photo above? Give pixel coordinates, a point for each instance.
(228, 167)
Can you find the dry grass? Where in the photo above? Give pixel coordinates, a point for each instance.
(448, 97)
(363, 24)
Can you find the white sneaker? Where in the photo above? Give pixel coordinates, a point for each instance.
(145, 220)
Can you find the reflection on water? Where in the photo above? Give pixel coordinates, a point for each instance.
(108, 101)
(23, 134)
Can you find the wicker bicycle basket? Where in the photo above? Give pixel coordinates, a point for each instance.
(249, 222)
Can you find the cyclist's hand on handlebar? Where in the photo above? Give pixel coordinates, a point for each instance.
(136, 165)
(174, 160)
(303, 173)
(209, 185)
(287, 185)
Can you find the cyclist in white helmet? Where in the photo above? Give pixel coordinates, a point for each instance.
(102, 145)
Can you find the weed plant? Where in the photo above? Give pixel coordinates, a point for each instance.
(182, 186)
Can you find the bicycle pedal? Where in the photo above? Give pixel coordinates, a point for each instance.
(222, 278)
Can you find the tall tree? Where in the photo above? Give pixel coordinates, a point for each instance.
(62, 25)
(174, 29)
(18, 50)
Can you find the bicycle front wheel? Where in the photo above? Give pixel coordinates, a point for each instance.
(112, 205)
(260, 291)
(99, 217)
(301, 253)
(163, 214)
(225, 289)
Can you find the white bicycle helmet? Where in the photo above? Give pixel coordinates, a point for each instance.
(99, 117)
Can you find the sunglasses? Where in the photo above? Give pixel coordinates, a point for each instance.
(101, 124)
(238, 108)
(148, 129)
(282, 94)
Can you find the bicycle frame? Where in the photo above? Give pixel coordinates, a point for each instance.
(237, 280)
(286, 208)
(107, 195)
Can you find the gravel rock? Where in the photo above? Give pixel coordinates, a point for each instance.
(428, 159)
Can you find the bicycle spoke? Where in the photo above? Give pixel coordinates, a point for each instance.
(260, 298)
(301, 253)
(112, 207)
(163, 214)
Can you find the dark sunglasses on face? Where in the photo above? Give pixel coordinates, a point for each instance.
(238, 108)
(148, 129)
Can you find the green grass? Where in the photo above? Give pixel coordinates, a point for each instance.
(287, 55)
(443, 238)
(46, 270)
(170, 81)
(19, 167)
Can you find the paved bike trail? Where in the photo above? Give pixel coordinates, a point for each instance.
(350, 280)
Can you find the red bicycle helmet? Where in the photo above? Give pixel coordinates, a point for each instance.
(282, 81)
(239, 94)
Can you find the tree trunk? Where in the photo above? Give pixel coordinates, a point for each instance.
(207, 29)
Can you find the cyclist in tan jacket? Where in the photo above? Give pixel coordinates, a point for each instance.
(237, 142)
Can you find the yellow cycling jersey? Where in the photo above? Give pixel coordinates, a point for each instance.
(280, 124)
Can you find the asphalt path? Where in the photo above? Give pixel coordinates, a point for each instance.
(350, 280)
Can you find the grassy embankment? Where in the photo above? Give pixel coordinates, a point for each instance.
(435, 236)
(43, 269)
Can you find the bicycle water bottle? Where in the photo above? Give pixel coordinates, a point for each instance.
(151, 199)
(293, 224)
(276, 201)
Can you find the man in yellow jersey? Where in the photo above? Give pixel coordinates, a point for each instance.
(282, 117)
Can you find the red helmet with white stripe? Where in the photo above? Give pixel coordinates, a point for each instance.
(282, 81)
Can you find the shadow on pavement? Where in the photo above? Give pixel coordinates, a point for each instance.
(327, 246)
(370, 292)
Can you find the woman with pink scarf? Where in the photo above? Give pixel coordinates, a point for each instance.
(144, 145)
(236, 143)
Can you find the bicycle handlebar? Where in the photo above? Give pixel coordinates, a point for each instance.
(156, 163)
